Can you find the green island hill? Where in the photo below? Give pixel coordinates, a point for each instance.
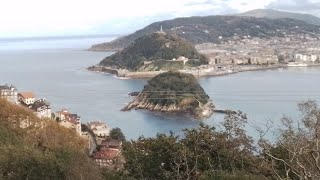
(174, 92)
(155, 52)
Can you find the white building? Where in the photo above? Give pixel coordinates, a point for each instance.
(26, 98)
(42, 108)
(306, 57)
(9, 93)
(68, 120)
(99, 128)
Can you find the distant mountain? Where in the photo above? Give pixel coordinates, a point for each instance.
(216, 29)
(274, 14)
(156, 49)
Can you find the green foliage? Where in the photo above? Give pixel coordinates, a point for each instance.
(173, 88)
(153, 47)
(114, 175)
(163, 65)
(43, 150)
(203, 153)
(296, 153)
(117, 134)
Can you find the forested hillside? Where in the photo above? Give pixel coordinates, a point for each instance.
(42, 149)
(199, 30)
(155, 47)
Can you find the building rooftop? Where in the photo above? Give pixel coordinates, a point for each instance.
(27, 94)
(40, 103)
(106, 153)
(7, 87)
(111, 143)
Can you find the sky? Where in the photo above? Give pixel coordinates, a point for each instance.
(37, 18)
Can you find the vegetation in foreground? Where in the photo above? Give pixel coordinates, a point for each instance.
(33, 148)
(229, 153)
(45, 150)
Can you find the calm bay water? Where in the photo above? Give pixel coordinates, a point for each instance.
(55, 69)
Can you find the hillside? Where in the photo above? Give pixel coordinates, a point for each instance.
(174, 92)
(158, 49)
(42, 150)
(274, 14)
(209, 28)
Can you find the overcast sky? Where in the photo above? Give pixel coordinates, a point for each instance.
(23, 18)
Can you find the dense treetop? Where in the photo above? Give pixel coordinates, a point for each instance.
(175, 88)
(153, 47)
(117, 134)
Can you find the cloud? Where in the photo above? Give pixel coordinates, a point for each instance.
(75, 17)
(302, 6)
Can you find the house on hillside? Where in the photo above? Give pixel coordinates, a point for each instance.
(111, 144)
(9, 93)
(109, 153)
(41, 108)
(69, 120)
(99, 128)
(26, 98)
(106, 156)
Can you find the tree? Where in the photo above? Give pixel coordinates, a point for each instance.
(32, 148)
(117, 134)
(202, 153)
(296, 153)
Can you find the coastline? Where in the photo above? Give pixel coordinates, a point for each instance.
(104, 49)
(203, 111)
(125, 74)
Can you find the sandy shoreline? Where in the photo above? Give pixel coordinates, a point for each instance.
(121, 74)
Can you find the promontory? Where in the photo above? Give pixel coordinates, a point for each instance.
(156, 52)
(174, 92)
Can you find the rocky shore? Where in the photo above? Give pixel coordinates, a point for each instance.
(196, 73)
(202, 112)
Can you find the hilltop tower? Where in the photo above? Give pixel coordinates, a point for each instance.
(161, 31)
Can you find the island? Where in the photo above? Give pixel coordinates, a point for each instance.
(151, 55)
(250, 41)
(174, 92)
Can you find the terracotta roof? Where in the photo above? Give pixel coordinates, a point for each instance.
(73, 121)
(64, 112)
(111, 143)
(26, 94)
(108, 154)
